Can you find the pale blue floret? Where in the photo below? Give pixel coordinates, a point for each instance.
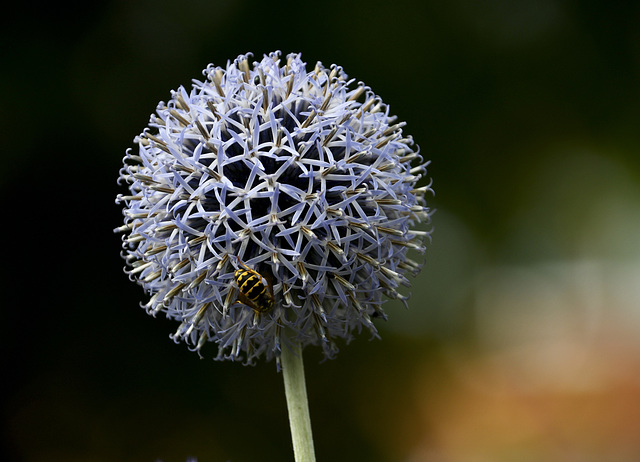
(303, 175)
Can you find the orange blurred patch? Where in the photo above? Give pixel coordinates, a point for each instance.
(503, 408)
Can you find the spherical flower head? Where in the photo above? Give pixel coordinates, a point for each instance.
(270, 177)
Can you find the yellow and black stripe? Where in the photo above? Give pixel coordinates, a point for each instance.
(255, 291)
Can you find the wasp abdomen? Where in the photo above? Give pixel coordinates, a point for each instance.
(255, 291)
(250, 283)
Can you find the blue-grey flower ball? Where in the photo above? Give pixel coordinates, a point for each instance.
(272, 204)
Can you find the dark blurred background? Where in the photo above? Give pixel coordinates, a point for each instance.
(522, 338)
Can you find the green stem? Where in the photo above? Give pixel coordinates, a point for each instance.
(297, 403)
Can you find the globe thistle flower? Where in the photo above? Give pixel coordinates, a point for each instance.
(299, 179)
